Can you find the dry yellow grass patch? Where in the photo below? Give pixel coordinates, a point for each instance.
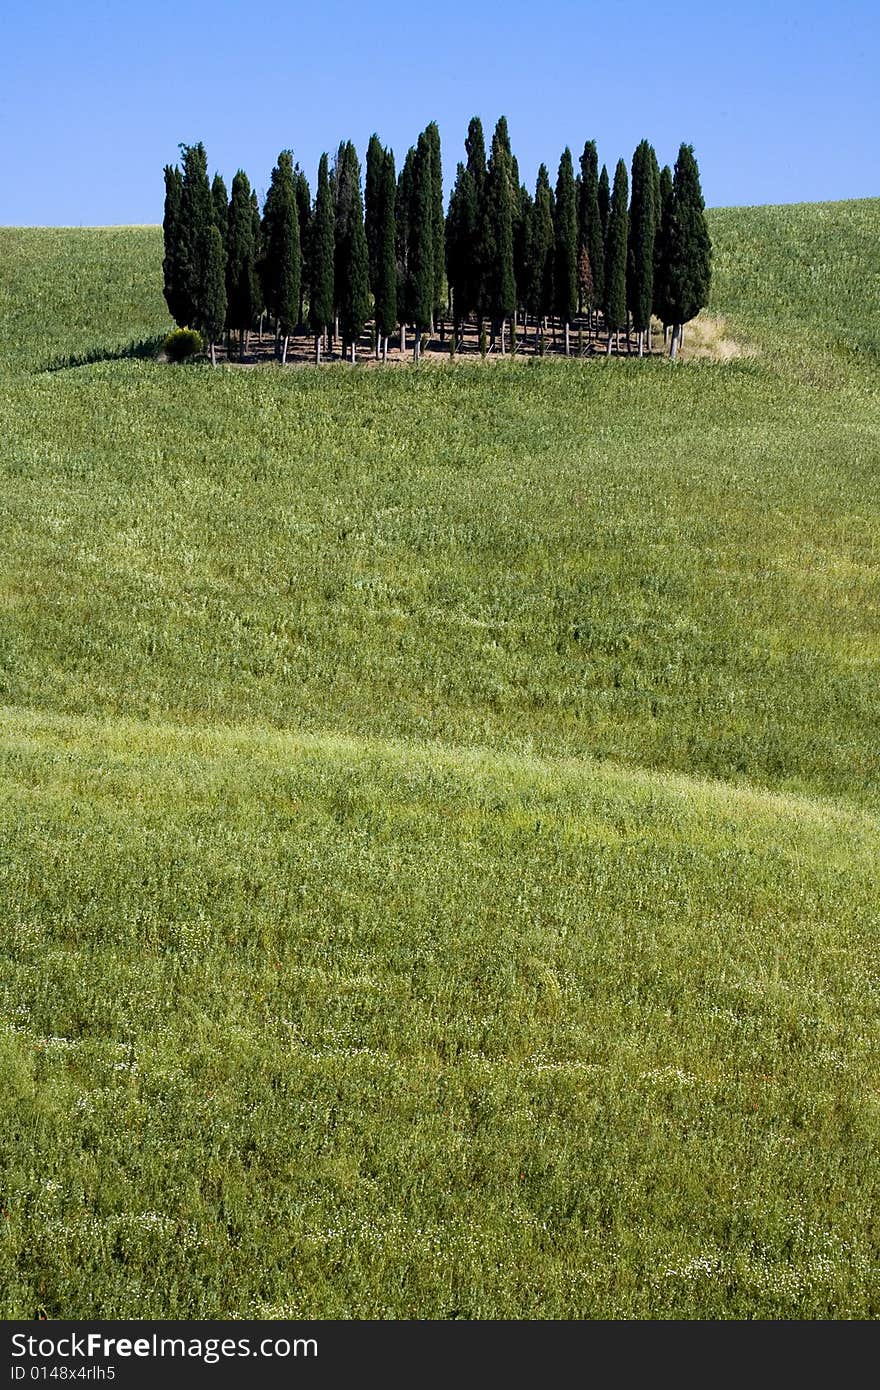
(707, 338)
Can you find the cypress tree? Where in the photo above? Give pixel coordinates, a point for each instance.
(661, 298)
(211, 310)
(220, 199)
(475, 149)
(420, 251)
(542, 248)
(196, 220)
(353, 293)
(686, 247)
(402, 238)
(501, 285)
(303, 196)
(179, 304)
(373, 183)
(240, 274)
(438, 230)
(522, 234)
(591, 237)
(461, 231)
(603, 198)
(385, 287)
(256, 225)
(615, 255)
(565, 265)
(282, 256)
(321, 290)
(642, 231)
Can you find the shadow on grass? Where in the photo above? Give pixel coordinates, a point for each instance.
(143, 349)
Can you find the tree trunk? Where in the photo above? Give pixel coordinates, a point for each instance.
(608, 348)
(241, 346)
(402, 339)
(680, 334)
(385, 347)
(284, 350)
(673, 344)
(503, 330)
(567, 343)
(317, 349)
(641, 342)
(353, 354)
(213, 354)
(648, 347)
(417, 347)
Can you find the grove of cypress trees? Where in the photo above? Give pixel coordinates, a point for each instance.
(321, 287)
(176, 297)
(687, 247)
(385, 285)
(590, 234)
(565, 261)
(542, 250)
(615, 255)
(241, 305)
(642, 231)
(352, 258)
(501, 286)
(281, 251)
(420, 250)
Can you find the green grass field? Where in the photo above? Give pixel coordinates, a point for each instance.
(440, 812)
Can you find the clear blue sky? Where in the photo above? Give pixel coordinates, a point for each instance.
(781, 100)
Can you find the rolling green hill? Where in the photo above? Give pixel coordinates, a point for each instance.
(441, 812)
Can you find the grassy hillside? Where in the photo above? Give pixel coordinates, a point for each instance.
(442, 812)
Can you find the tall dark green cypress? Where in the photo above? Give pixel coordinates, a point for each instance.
(475, 149)
(211, 310)
(501, 285)
(385, 286)
(420, 252)
(176, 297)
(196, 220)
(438, 229)
(403, 206)
(603, 198)
(661, 298)
(565, 230)
(522, 235)
(615, 254)
(461, 231)
(240, 274)
(373, 182)
(220, 199)
(642, 232)
(303, 196)
(353, 293)
(282, 256)
(542, 249)
(321, 288)
(590, 232)
(686, 247)
(256, 224)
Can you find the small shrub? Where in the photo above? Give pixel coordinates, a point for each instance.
(183, 343)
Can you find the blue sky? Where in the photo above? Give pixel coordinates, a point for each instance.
(780, 100)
